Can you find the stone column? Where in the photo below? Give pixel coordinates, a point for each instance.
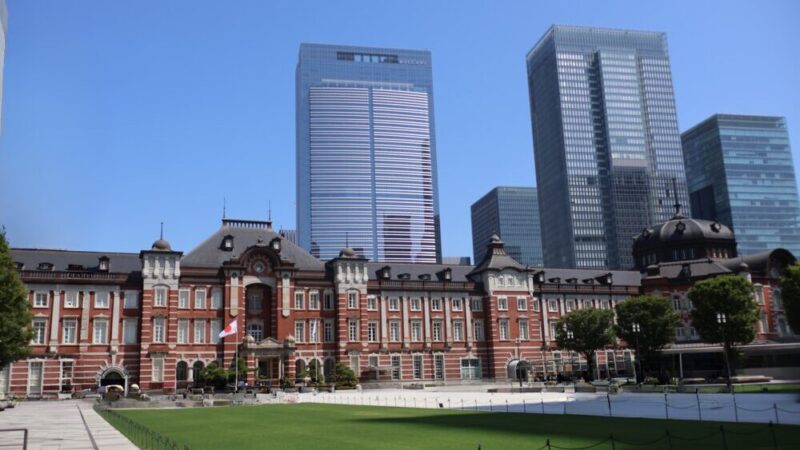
(55, 319)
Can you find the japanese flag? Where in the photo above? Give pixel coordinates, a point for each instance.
(229, 330)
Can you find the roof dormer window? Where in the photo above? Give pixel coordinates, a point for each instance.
(386, 273)
(103, 265)
(404, 276)
(425, 277)
(275, 244)
(45, 266)
(227, 243)
(19, 265)
(74, 267)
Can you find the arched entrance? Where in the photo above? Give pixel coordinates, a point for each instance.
(519, 370)
(197, 373)
(114, 375)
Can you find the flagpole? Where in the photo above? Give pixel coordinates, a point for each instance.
(236, 362)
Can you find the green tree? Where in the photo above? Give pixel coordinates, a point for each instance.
(15, 310)
(790, 293)
(725, 312)
(656, 320)
(343, 375)
(585, 331)
(213, 374)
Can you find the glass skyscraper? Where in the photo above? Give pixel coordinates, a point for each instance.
(366, 153)
(513, 214)
(740, 173)
(606, 142)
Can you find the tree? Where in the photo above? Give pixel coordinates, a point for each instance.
(343, 375)
(15, 310)
(790, 293)
(585, 331)
(724, 312)
(213, 374)
(656, 320)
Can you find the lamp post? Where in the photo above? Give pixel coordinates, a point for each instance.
(722, 320)
(571, 361)
(636, 330)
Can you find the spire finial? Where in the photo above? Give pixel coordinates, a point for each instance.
(269, 214)
(161, 236)
(675, 194)
(347, 239)
(223, 207)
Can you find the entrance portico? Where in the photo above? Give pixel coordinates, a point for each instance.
(273, 358)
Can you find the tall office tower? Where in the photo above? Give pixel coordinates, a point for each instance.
(606, 142)
(513, 214)
(366, 153)
(3, 32)
(739, 171)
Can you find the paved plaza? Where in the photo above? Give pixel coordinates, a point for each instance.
(55, 425)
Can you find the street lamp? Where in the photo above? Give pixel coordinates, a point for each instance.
(722, 320)
(519, 361)
(636, 330)
(571, 362)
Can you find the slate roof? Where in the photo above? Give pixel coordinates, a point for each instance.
(118, 262)
(458, 272)
(757, 263)
(210, 254)
(619, 277)
(496, 258)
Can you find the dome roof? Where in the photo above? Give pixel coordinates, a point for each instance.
(683, 229)
(347, 252)
(161, 245)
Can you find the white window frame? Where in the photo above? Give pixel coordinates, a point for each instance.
(522, 303)
(299, 300)
(39, 338)
(130, 323)
(200, 296)
(352, 300)
(157, 365)
(95, 322)
(40, 295)
(313, 300)
(159, 330)
(458, 330)
(476, 304)
(353, 332)
(417, 366)
(457, 304)
(372, 331)
(255, 329)
(394, 330)
(372, 303)
(74, 337)
(215, 327)
(552, 305)
(479, 330)
(415, 304)
(183, 299)
(216, 298)
(106, 296)
(199, 325)
(299, 331)
(394, 304)
(72, 295)
(328, 334)
(160, 296)
(503, 330)
(502, 303)
(131, 300)
(535, 304)
(524, 330)
(416, 330)
(436, 304)
(437, 330)
(327, 301)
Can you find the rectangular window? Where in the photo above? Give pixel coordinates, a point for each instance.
(457, 305)
(470, 369)
(299, 300)
(67, 368)
(502, 303)
(39, 330)
(436, 304)
(200, 299)
(300, 331)
(458, 330)
(216, 328)
(416, 330)
(328, 300)
(130, 332)
(101, 299)
(552, 305)
(437, 330)
(161, 297)
(71, 300)
(372, 331)
(100, 331)
(313, 331)
(183, 299)
(396, 368)
(313, 300)
(158, 370)
(183, 331)
(522, 304)
(503, 329)
(476, 304)
(373, 360)
(394, 330)
(199, 331)
(352, 300)
(352, 330)
(394, 304)
(570, 305)
(417, 366)
(68, 334)
(416, 304)
(256, 331)
(158, 329)
(355, 363)
(438, 366)
(372, 303)
(552, 330)
(477, 325)
(523, 329)
(535, 304)
(40, 299)
(131, 300)
(216, 298)
(327, 334)
(254, 301)
(605, 304)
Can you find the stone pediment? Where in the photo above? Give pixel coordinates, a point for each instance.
(269, 343)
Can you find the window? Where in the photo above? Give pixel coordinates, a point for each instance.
(476, 304)
(216, 298)
(183, 299)
(372, 331)
(355, 364)
(470, 369)
(535, 304)
(299, 300)
(161, 296)
(777, 302)
(68, 334)
(254, 301)
(183, 331)
(457, 305)
(477, 325)
(372, 303)
(216, 328)
(130, 332)
(417, 366)
(523, 329)
(552, 305)
(352, 300)
(200, 299)
(131, 300)
(327, 334)
(394, 304)
(328, 300)
(101, 299)
(436, 304)
(416, 304)
(40, 300)
(396, 371)
(313, 331)
(158, 370)
(313, 300)
(502, 303)
(100, 334)
(39, 330)
(587, 304)
(158, 329)
(255, 330)
(458, 330)
(503, 328)
(416, 330)
(373, 360)
(437, 330)
(605, 304)
(570, 305)
(199, 331)
(522, 304)
(679, 332)
(438, 366)
(67, 366)
(71, 300)
(352, 330)
(394, 330)
(300, 331)
(552, 330)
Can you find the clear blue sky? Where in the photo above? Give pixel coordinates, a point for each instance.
(121, 114)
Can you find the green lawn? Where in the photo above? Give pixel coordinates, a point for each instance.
(318, 427)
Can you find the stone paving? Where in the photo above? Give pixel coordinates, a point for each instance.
(55, 425)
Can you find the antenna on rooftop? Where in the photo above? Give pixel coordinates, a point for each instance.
(162, 231)
(269, 214)
(223, 207)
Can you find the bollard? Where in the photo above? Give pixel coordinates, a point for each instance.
(448, 404)
(524, 408)
(699, 410)
(490, 404)
(415, 402)
(777, 419)
(462, 403)
(772, 432)
(735, 407)
(608, 397)
(666, 406)
(476, 404)
(541, 399)
(506, 405)
(565, 406)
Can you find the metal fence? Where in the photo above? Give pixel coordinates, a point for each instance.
(143, 437)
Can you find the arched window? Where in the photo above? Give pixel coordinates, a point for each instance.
(299, 368)
(197, 370)
(181, 371)
(328, 368)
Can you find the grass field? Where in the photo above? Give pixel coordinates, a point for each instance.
(317, 426)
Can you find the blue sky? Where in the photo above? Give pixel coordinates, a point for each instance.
(118, 115)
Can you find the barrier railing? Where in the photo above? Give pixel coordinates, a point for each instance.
(16, 430)
(140, 435)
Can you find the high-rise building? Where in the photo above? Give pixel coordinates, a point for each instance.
(366, 153)
(740, 173)
(606, 142)
(3, 32)
(513, 214)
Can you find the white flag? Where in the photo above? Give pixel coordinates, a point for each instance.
(313, 331)
(229, 330)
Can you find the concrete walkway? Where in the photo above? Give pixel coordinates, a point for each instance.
(68, 424)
